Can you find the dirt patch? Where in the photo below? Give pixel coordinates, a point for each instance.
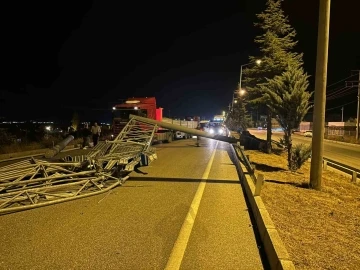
(320, 229)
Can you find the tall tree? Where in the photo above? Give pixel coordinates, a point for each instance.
(289, 102)
(276, 43)
(238, 117)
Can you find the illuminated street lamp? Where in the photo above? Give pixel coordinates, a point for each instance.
(241, 91)
(258, 62)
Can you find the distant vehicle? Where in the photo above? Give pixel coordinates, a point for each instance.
(204, 124)
(181, 135)
(146, 107)
(308, 133)
(217, 129)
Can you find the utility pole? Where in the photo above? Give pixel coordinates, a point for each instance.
(320, 95)
(342, 114)
(358, 110)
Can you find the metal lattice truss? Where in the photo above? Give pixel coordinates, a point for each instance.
(34, 182)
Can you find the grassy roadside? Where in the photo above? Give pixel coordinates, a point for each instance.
(21, 147)
(320, 229)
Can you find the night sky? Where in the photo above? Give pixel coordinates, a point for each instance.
(61, 56)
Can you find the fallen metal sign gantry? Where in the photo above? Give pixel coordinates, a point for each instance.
(34, 182)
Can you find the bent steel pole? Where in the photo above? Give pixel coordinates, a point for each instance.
(58, 147)
(184, 129)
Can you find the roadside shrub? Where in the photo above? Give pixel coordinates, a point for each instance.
(282, 141)
(299, 154)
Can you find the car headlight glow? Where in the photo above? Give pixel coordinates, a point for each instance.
(221, 131)
(211, 131)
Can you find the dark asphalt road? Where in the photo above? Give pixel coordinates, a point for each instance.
(136, 225)
(347, 154)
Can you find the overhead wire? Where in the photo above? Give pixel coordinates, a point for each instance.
(338, 91)
(341, 105)
(330, 94)
(343, 94)
(341, 80)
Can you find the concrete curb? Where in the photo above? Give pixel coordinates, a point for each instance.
(31, 153)
(275, 250)
(344, 143)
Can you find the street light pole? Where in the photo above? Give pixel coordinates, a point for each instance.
(241, 68)
(258, 62)
(241, 75)
(320, 95)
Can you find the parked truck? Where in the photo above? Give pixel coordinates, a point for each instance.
(146, 107)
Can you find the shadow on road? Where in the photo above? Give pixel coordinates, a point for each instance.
(187, 180)
(180, 146)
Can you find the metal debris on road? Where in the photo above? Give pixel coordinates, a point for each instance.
(34, 182)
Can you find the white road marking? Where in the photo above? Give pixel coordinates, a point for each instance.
(180, 245)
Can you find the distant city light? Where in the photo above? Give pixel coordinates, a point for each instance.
(48, 128)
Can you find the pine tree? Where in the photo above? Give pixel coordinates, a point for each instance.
(238, 118)
(289, 102)
(276, 45)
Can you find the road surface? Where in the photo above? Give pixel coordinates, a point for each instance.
(190, 196)
(347, 154)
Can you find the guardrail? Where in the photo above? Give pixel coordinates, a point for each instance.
(274, 248)
(259, 180)
(354, 172)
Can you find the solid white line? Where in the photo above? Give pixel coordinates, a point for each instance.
(180, 245)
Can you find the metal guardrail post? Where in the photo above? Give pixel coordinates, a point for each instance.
(258, 184)
(354, 176)
(341, 167)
